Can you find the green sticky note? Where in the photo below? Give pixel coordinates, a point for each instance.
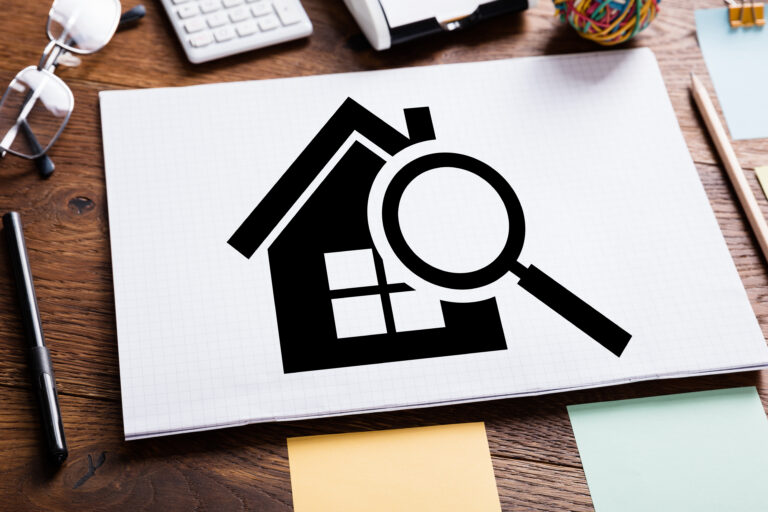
(704, 451)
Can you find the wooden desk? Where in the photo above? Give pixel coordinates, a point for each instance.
(534, 452)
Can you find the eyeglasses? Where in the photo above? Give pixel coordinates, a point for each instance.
(37, 104)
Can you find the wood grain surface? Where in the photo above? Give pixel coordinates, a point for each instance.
(534, 452)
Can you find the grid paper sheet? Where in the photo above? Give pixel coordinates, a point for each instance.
(617, 215)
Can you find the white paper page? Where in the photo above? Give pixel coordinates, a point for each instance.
(614, 211)
(403, 12)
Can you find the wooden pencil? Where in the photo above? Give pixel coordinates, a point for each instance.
(732, 167)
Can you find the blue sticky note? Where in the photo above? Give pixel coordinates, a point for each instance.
(704, 451)
(736, 59)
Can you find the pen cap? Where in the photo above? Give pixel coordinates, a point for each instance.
(45, 382)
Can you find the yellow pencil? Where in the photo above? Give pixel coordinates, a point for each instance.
(727, 155)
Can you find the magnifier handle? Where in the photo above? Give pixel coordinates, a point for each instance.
(575, 310)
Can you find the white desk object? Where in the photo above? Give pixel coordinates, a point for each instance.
(212, 29)
(389, 22)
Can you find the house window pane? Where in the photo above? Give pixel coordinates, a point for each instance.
(358, 316)
(350, 269)
(415, 311)
(395, 272)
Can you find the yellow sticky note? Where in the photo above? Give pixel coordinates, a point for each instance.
(762, 177)
(443, 468)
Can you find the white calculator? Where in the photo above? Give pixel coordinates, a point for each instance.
(211, 29)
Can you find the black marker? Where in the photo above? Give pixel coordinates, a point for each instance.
(41, 369)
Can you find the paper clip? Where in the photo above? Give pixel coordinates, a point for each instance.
(745, 14)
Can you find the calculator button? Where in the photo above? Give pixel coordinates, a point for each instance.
(217, 20)
(200, 40)
(288, 12)
(224, 33)
(268, 22)
(247, 28)
(239, 14)
(194, 25)
(187, 11)
(209, 6)
(232, 3)
(262, 8)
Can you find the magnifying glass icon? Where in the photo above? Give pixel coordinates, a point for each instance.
(537, 283)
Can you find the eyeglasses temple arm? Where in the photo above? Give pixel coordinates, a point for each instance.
(43, 163)
(45, 166)
(131, 16)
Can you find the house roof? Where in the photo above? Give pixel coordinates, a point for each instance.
(349, 117)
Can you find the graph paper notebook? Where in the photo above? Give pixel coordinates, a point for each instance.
(326, 245)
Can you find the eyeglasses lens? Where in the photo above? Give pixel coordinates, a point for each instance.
(83, 25)
(32, 112)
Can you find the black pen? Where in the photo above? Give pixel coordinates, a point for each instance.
(41, 369)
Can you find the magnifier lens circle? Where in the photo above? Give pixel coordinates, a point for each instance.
(462, 276)
(453, 220)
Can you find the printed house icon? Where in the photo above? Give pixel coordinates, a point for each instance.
(336, 305)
